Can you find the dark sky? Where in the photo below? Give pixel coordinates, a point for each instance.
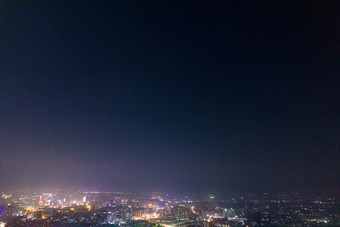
(178, 95)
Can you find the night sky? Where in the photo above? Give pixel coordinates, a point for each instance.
(178, 95)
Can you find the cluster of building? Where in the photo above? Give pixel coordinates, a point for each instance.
(61, 208)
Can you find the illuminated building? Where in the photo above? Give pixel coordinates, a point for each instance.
(229, 213)
(180, 212)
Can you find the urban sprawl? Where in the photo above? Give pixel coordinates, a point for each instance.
(94, 208)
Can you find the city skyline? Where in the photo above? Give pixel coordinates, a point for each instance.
(95, 208)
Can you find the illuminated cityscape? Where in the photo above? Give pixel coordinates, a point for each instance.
(94, 208)
(169, 113)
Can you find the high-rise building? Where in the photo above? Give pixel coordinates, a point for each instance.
(229, 213)
(180, 212)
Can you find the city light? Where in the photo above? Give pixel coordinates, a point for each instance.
(127, 209)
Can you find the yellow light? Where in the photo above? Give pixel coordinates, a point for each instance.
(72, 208)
